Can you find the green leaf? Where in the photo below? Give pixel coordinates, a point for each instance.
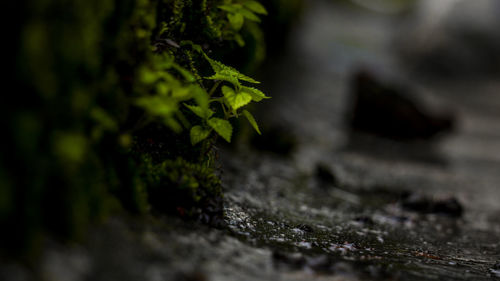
(255, 6)
(103, 119)
(232, 8)
(246, 12)
(246, 78)
(236, 20)
(226, 73)
(225, 77)
(187, 75)
(256, 94)
(162, 88)
(235, 100)
(181, 93)
(252, 121)
(173, 124)
(169, 78)
(158, 105)
(195, 47)
(219, 66)
(200, 96)
(222, 127)
(165, 61)
(249, 15)
(239, 40)
(147, 76)
(198, 134)
(200, 112)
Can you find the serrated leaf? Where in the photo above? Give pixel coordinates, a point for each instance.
(195, 47)
(200, 112)
(255, 6)
(221, 127)
(235, 99)
(198, 134)
(218, 66)
(236, 20)
(225, 77)
(252, 121)
(223, 71)
(256, 94)
(247, 79)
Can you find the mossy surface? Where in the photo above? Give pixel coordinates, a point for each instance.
(75, 140)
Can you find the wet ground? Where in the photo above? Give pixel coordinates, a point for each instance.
(339, 206)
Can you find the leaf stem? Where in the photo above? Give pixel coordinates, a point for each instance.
(214, 88)
(216, 99)
(224, 109)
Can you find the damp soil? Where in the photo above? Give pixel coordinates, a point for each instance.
(339, 205)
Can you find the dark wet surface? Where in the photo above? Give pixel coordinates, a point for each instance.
(387, 209)
(339, 206)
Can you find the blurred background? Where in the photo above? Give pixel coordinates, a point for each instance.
(394, 96)
(351, 69)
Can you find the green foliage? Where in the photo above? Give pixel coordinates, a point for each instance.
(252, 121)
(201, 112)
(227, 73)
(246, 9)
(198, 133)
(222, 127)
(165, 93)
(112, 88)
(234, 99)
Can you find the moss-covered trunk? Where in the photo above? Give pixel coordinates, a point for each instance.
(95, 121)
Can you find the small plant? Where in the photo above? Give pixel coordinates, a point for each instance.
(234, 97)
(168, 92)
(128, 86)
(195, 96)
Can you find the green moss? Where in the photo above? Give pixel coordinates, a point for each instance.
(178, 186)
(76, 145)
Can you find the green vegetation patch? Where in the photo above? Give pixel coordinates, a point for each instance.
(117, 105)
